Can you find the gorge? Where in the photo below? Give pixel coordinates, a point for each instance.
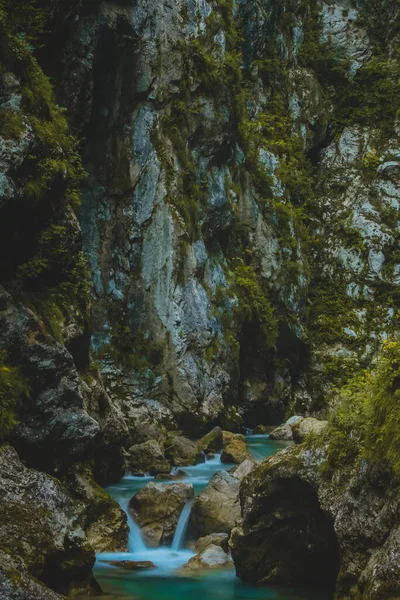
(199, 229)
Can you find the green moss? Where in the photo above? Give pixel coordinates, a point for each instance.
(13, 389)
(254, 307)
(364, 424)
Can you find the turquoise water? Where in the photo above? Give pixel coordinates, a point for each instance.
(164, 582)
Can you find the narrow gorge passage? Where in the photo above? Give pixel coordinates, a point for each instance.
(165, 582)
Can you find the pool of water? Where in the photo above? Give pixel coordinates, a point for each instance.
(165, 582)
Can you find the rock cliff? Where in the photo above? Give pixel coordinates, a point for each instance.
(220, 245)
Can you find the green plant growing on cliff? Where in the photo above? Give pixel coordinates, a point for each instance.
(254, 307)
(13, 388)
(364, 424)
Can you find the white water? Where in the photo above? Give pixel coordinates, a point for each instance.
(135, 540)
(181, 528)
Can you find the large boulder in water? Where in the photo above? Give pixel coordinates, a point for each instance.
(147, 458)
(217, 508)
(39, 524)
(212, 442)
(182, 452)
(157, 508)
(213, 557)
(234, 448)
(216, 539)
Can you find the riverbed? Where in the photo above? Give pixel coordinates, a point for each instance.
(163, 583)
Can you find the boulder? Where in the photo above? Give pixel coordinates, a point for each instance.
(39, 523)
(147, 458)
(16, 583)
(307, 426)
(245, 467)
(282, 433)
(234, 448)
(212, 442)
(157, 508)
(261, 429)
(101, 516)
(231, 420)
(217, 539)
(217, 508)
(131, 565)
(213, 557)
(182, 452)
(176, 476)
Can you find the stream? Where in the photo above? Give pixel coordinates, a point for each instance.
(163, 583)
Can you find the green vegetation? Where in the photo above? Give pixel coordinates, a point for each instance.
(365, 423)
(254, 308)
(54, 278)
(13, 388)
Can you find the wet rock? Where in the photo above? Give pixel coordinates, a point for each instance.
(131, 565)
(307, 426)
(16, 583)
(39, 523)
(157, 508)
(213, 557)
(234, 448)
(101, 516)
(176, 476)
(217, 507)
(212, 442)
(245, 467)
(147, 458)
(282, 433)
(231, 420)
(181, 452)
(216, 539)
(261, 429)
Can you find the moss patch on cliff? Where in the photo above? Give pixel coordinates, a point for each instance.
(13, 389)
(364, 424)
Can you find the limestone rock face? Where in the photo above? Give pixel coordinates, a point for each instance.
(39, 524)
(147, 458)
(301, 527)
(234, 448)
(217, 508)
(157, 508)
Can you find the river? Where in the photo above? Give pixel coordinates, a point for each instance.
(163, 583)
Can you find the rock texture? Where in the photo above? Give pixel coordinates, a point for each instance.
(301, 527)
(234, 448)
(157, 508)
(216, 539)
(147, 458)
(213, 557)
(217, 508)
(183, 452)
(52, 546)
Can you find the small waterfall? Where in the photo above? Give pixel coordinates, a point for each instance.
(135, 540)
(182, 526)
